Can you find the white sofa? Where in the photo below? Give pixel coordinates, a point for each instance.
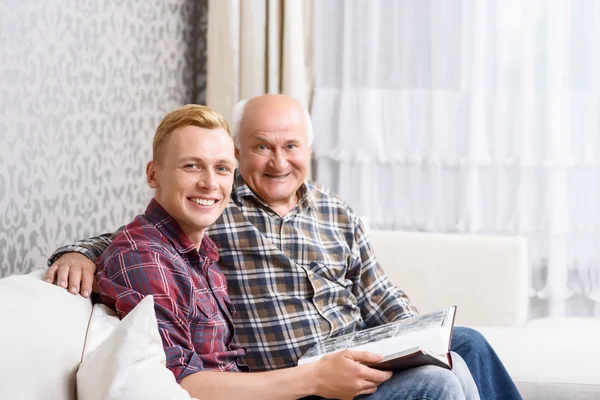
(57, 346)
(46, 329)
(487, 278)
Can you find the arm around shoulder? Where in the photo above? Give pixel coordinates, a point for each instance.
(91, 248)
(73, 266)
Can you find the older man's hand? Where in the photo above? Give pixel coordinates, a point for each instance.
(73, 271)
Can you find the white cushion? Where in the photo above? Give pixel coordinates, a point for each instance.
(103, 321)
(555, 350)
(42, 338)
(566, 324)
(130, 363)
(485, 276)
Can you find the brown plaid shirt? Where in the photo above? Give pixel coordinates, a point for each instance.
(294, 280)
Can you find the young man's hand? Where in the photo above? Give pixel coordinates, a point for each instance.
(344, 375)
(73, 271)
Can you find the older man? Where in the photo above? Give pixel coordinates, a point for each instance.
(299, 264)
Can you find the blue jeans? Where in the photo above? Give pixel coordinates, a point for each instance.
(427, 383)
(491, 378)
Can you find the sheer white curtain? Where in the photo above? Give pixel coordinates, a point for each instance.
(477, 116)
(257, 47)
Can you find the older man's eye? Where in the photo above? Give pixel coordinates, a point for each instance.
(261, 147)
(292, 146)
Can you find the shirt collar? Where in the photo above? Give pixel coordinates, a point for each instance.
(173, 232)
(306, 196)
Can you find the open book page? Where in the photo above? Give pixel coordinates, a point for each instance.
(430, 333)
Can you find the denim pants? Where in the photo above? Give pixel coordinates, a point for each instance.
(491, 378)
(428, 382)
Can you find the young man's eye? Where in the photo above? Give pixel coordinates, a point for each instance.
(190, 166)
(223, 168)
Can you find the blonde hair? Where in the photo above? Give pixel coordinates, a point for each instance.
(190, 114)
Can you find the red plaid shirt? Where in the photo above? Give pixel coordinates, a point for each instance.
(152, 255)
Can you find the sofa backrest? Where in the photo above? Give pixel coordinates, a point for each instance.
(485, 276)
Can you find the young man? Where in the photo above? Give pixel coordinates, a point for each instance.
(166, 253)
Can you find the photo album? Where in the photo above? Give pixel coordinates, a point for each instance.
(410, 342)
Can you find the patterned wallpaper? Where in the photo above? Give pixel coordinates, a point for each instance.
(83, 85)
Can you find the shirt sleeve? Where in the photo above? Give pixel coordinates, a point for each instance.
(125, 278)
(380, 302)
(92, 248)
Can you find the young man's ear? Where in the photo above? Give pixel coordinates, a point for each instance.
(151, 175)
(237, 154)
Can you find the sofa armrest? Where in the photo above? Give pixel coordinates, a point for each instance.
(485, 276)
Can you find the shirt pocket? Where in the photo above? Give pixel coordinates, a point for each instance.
(332, 272)
(206, 303)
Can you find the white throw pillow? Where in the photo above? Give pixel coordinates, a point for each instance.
(42, 337)
(103, 321)
(130, 363)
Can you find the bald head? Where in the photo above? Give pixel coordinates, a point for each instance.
(273, 137)
(248, 114)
